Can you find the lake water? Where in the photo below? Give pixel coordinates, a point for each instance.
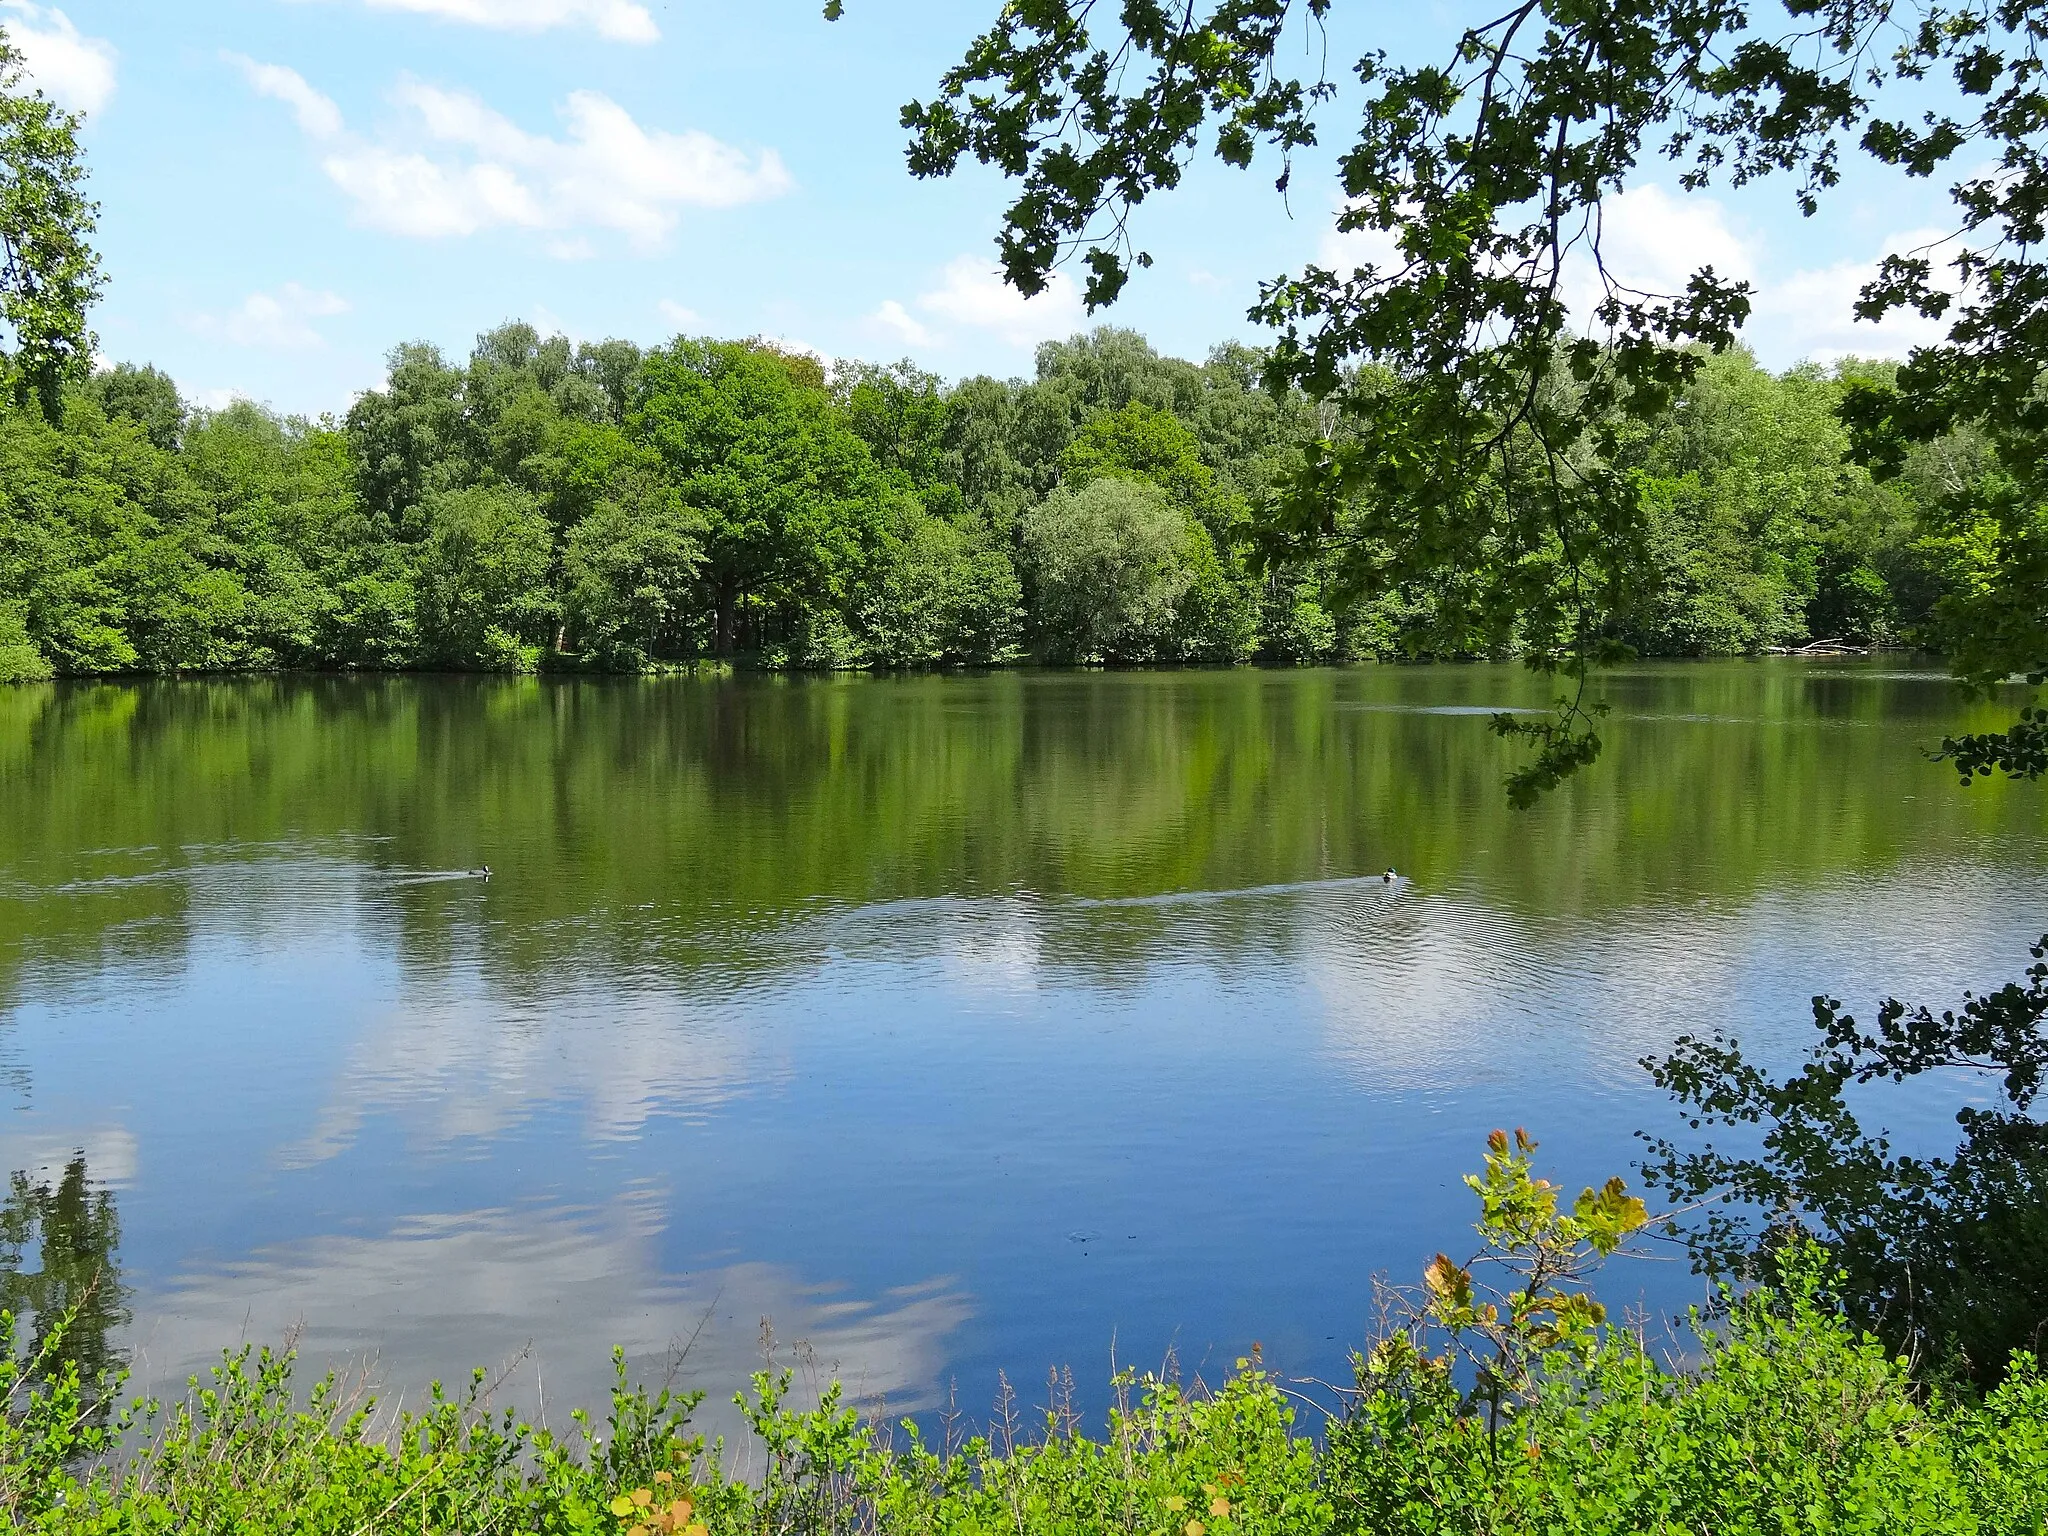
(956, 1025)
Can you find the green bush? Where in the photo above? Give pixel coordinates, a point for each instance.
(1517, 1410)
(20, 661)
(1944, 1258)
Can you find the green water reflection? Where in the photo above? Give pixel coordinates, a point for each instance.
(738, 804)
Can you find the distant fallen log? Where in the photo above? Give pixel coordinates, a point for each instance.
(1818, 648)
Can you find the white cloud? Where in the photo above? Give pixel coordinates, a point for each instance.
(797, 347)
(453, 166)
(1812, 313)
(209, 398)
(73, 70)
(894, 320)
(681, 316)
(976, 296)
(1343, 251)
(319, 117)
(281, 319)
(1653, 240)
(548, 323)
(619, 20)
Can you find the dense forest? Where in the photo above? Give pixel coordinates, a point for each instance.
(548, 505)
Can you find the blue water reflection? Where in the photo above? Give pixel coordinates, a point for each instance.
(930, 1054)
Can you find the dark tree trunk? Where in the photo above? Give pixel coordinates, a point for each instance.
(727, 617)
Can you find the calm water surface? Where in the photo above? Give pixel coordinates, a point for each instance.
(954, 1025)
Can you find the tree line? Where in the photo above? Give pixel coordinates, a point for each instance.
(543, 504)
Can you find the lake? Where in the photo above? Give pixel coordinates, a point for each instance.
(957, 1026)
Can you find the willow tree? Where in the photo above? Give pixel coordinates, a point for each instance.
(1478, 413)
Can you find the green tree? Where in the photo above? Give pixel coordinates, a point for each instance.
(284, 504)
(49, 274)
(1109, 562)
(790, 496)
(409, 438)
(110, 553)
(902, 413)
(481, 580)
(631, 570)
(1482, 431)
(1147, 443)
(946, 593)
(146, 396)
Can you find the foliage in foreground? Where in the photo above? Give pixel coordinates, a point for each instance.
(1493, 355)
(1945, 1258)
(1515, 1408)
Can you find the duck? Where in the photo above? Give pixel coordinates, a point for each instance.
(1390, 877)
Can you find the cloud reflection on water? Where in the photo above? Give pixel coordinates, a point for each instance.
(437, 1295)
(474, 1066)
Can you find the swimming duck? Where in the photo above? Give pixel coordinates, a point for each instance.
(1390, 877)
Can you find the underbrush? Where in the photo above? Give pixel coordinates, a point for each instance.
(1512, 1410)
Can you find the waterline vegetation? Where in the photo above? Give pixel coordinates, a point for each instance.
(600, 507)
(1508, 1406)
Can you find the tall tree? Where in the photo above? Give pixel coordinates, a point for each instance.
(49, 274)
(1482, 439)
(790, 497)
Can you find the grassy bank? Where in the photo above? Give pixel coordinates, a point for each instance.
(1510, 1410)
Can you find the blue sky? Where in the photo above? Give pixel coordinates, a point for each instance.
(291, 187)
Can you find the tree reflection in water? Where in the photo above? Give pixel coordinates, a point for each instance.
(71, 1227)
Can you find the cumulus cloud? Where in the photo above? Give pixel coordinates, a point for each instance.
(210, 397)
(621, 21)
(281, 319)
(974, 296)
(73, 70)
(1812, 313)
(681, 316)
(893, 319)
(453, 166)
(796, 346)
(1344, 251)
(1653, 240)
(319, 117)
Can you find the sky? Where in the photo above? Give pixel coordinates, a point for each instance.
(290, 188)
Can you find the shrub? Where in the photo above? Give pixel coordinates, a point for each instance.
(1502, 1410)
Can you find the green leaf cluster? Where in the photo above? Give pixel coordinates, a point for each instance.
(49, 274)
(1945, 1257)
(1488, 378)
